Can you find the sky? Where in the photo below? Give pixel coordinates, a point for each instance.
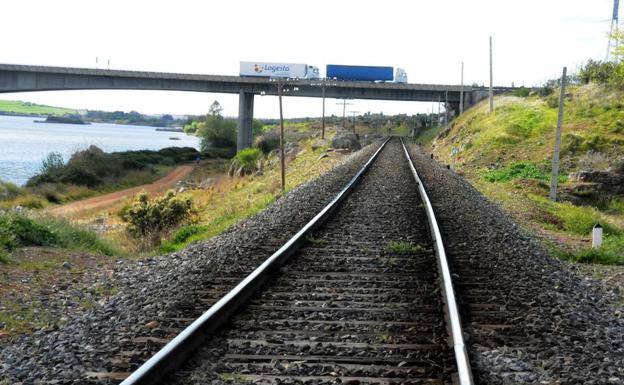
(533, 40)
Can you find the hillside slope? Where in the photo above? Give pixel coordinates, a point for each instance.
(16, 107)
(507, 156)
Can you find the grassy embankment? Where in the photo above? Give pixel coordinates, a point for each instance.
(16, 107)
(507, 156)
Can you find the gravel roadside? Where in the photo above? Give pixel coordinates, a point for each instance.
(559, 327)
(153, 290)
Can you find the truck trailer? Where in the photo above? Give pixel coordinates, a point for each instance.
(365, 73)
(279, 70)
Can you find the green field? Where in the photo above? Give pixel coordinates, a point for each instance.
(17, 107)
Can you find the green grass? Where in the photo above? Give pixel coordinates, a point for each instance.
(27, 108)
(316, 241)
(519, 170)
(610, 253)
(577, 220)
(19, 230)
(403, 247)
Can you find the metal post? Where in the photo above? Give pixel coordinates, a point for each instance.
(597, 236)
(445, 108)
(491, 93)
(282, 158)
(461, 91)
(323, 120)
(438, 117)
(555, 162)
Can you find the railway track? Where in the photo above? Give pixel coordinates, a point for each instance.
(360, 295)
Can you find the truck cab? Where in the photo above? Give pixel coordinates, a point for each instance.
(400, 76)
(312, 72)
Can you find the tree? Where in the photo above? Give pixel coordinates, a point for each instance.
(215, 109)
(53, 163)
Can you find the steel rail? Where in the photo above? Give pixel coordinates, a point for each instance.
(174, 353)
(461, 355)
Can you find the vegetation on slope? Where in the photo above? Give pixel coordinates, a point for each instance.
(507, 156)
(22, 229)
(16, 107)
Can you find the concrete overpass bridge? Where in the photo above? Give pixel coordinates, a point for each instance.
(26, 78)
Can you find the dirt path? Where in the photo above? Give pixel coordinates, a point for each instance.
(104, 201)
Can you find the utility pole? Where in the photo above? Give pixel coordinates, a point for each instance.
(491, 80)
(344, 111)
(614, 28)
(323, 120)
(282, 159)
(439, 109)
(555, 163)
(353, 119)
(461, 91)
(445, 108)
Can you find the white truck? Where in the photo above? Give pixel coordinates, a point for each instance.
(278, 70)
(400, 76)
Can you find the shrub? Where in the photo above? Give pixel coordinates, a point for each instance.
(186, 232)
(9, 191)
(73, 237)
(52, 164)
(522, 92)
(596, 71)
(218, 133)
(245, 162)
(92, 167)
(18, 231)
(150, 218)
(267, 142)
(518, 170)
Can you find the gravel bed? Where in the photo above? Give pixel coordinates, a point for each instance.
(302, 329)
(154, 290)
(560, 327)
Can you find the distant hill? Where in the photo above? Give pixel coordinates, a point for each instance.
(17, 107)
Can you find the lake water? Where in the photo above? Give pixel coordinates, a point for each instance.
(24, 144)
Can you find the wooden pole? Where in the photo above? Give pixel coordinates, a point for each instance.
(461, 91)
(555, 163)
(491, 93)
(323, 120)
(282, 158)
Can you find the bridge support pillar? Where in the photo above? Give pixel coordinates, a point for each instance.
(245, 120)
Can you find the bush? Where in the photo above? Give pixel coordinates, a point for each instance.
(217, 133)
(186, 232)
(52, 163)
(596, 71)
(245, 162)
(93, 167)
(518, 170)
(267, 142)
(150, 218)
(9, 191)
(19, 231)
(522, 92)
(73, 237)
